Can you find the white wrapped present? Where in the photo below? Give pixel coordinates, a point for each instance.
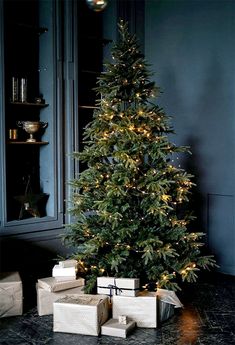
(80, 314)
(116, 329)
(45, 298)
(64, 273)
(118, 286)
(53, 285)
(167, 302)
(68, 263)
(141, 309)
(11, 295)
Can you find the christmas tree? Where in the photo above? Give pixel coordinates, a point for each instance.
(129, 203)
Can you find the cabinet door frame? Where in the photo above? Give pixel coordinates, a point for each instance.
(70, 99)
(2, 122)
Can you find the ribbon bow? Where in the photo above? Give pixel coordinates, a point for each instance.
(115, 287)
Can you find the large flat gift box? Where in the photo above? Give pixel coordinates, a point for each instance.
(114, 328)
(83, 314)
(11, 294)
(118, 286)
(45, 298)
(52, 285)
(141, 309)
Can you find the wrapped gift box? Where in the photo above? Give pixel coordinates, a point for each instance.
(167, 302)
(141, 309)
(11, 295)
(80, 314)
(64, 273)
(46, 298)
(118, 286)
(165, 311)
(114, 328)
(68, 263)
(53, 285)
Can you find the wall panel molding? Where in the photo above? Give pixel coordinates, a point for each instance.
(221, 234)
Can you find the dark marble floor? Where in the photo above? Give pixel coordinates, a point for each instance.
(208, 317)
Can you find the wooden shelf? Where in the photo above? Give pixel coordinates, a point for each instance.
(104, 41)
(96, 73)
(29, 104)
(87, 107)
(28, 142)
(31, 28)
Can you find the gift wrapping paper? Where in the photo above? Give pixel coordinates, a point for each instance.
(68, 263)
(141, 309)
(64, 272)
(114, 328)
(118, 286)
(80, 314)
(45, 298)
(11, 294)
(53, 285)
(165, 311)
(167, 302)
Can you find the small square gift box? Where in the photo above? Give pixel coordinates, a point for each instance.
(68, 263)
(53, 285)
(118, 286)
(167, 302)
(141, 309)
(64, 273)
(83, 314)
(11, 294)
(45, 298)
(114, 328)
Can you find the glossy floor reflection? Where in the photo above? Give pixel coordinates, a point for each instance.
(208, 317)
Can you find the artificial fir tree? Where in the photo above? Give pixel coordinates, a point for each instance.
(128, 202)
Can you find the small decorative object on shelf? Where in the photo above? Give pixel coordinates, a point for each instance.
(97, 5)
(32, 204)
(15, 90)
(23, 90)
(39, 100)
(31, 127)
(13, 133)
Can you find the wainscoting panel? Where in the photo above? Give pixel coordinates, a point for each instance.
(221, 232)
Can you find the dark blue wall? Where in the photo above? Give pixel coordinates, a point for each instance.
(190, 45)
